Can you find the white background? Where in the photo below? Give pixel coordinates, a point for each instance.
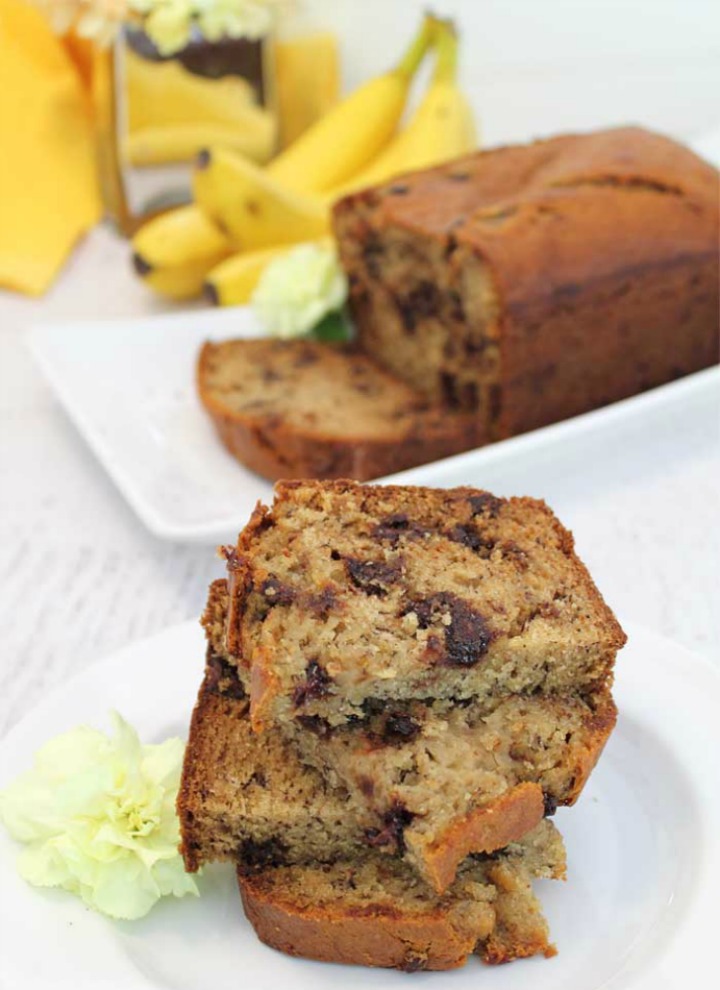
(538, 66)
(78, 574)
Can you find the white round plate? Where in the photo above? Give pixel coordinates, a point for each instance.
(638, 911)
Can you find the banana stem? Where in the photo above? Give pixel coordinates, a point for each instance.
(446, 42)
(409, 63)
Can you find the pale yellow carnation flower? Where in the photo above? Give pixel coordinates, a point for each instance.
(97, 20)
(300, 288)
(169, 24)
(97, 816)
(62, 14)
(101, 20)
(237, 18)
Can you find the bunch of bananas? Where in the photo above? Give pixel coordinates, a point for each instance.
(245, 215)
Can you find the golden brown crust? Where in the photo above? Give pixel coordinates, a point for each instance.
(484, 829)
(513, 814)
(196, 763)
(586, 755)
(239, 575)
(373, 911)
(364, 940)
(270, 444)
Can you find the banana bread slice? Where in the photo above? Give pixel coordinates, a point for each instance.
(373, 911)
(303, 409)
(443, 785)
(536, 282)
(344, 594)
(440, 781)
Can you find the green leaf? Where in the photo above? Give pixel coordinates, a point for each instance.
(333, 327)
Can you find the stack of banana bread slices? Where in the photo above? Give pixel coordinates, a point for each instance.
(402, 684)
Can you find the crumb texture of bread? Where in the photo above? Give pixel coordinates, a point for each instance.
(303, 409)
(374, 911)
(344, 594)
(247, 798)
(446, 784)
(533, 283)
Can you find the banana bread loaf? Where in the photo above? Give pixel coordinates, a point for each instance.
(344, 594)
(439, 782)
(536, 282)
(303, 409)
(373, 911)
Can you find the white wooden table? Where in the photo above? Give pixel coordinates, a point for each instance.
(79, 576)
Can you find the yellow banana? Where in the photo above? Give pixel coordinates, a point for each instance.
(183, 142)
(233, 281)
(353, 132)
(174, 252)
(250, 206)
(441, 129)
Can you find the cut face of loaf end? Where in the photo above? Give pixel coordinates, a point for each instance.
(431, 318)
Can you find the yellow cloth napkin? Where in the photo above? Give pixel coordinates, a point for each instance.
(48, 185)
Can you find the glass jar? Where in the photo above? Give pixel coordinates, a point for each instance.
(155, 113)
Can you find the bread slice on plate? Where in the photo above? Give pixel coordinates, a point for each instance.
(304, 409)
(345, 595)
(374, 911)
(436, 782)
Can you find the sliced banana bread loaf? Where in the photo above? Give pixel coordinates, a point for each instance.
(373, 911)
(303, 409)
(536, 282)
(438, 781)
(344, 594)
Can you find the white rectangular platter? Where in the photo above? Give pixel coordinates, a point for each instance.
(128, 385)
